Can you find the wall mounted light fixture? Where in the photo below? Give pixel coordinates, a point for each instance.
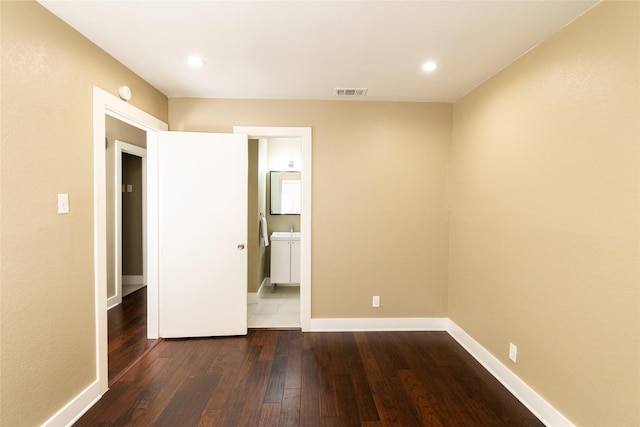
(124, 92)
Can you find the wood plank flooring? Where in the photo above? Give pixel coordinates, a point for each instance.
(127, 333)
(290, 378)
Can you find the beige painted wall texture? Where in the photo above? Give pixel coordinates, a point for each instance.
(47, 353)
(132, 262)
(379, 214)
(255, 250)
(545, 217)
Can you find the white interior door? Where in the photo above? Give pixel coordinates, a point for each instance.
(202, 209)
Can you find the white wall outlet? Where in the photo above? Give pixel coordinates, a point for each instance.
(513, 352)
(63, 203)
(376, 301)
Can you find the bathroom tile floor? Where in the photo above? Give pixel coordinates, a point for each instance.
(279, 309)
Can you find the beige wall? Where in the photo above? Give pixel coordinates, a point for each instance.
(255, 250)
(545, 217)
(379, 224)
(48, 72)
(132, 216)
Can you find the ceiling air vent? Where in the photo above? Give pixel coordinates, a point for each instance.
(348, 91)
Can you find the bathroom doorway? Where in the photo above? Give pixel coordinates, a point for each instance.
(286, 305)
(271, 304)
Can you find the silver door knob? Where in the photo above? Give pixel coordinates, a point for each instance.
(240, 246)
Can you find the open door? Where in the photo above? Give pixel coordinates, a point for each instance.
(202, 224)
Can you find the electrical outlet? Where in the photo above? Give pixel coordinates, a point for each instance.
(513, 352)
(376, 301)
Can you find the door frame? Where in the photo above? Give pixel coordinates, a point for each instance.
(134, 150)
(105, 104)
(304, 133)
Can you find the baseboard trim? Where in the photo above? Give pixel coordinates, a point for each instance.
(112, 302)
(133, 280)
(379, 324)
(252, 298)
(546, 413)
(266, 284)
(73, 410)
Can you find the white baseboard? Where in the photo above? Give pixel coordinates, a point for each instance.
(525, 394)
(133, 280)
(379, 324)
(252, 298)
(266, 283)
(73, 410)
(112, 302)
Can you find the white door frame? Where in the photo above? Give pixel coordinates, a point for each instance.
(106, 104)
(304, 133)
(134, 150)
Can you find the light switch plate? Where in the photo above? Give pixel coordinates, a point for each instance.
(63, 203)
(513, 352)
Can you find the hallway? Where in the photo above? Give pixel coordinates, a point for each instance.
(128, 333)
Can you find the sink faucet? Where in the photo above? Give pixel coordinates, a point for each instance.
(291, 228)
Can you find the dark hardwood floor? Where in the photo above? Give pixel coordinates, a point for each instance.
(290, 378)
(127, 333)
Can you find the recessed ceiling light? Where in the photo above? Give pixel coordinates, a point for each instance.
(429, 66)
(196, 61)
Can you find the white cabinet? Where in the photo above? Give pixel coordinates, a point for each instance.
(285, 258)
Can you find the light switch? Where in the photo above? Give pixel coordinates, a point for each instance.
(129, 188)
(63, 203)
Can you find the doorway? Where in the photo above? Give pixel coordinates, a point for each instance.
(106, 105)
(130, 217)
(303, 134)
(126, 229)
(273, 304)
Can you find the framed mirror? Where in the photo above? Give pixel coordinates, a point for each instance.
(286, 190)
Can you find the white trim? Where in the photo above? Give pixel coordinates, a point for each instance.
(72, 411)
(106, 104)
(113, 301)
(266, 283)
(525, 394)
(254, 297)
(380, 324)
(133, 280)
(124, 147)
(305, 217)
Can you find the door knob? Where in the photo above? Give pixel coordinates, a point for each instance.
(240, 246)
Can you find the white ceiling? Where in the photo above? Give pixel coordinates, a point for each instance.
(305, 49)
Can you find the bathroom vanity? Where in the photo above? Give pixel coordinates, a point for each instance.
(285, 258)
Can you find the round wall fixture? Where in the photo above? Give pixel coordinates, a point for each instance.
(125, 92)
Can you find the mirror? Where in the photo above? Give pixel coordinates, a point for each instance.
(285, 193)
